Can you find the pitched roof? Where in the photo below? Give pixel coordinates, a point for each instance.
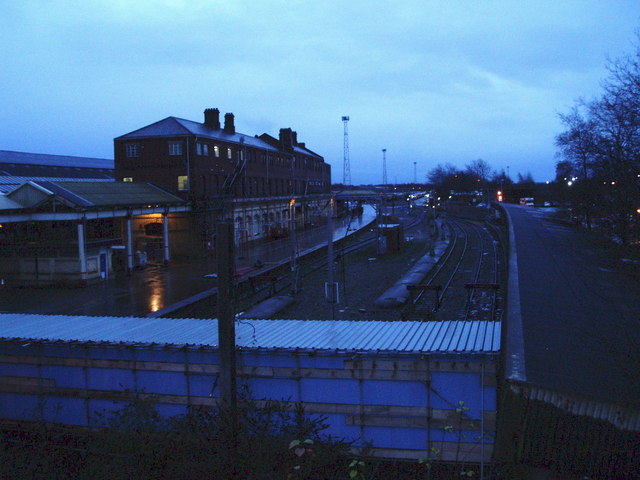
(299, 148)
(99, 194)
(175, 127)
(10, 183)
(7, 204)
(11, 157)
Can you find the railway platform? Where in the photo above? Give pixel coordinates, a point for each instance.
(574, 316)
(156, 286)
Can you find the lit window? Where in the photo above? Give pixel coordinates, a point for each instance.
(183, 183)
(229, 155)
(216, 150)
(175, 148)
(127, 179)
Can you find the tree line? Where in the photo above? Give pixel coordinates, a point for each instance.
(476, 175)
(599, 152)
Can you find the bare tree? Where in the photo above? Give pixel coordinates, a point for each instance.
(480, 169)
(439, 175)
(602, 144)
(446, 177)
(577, 146)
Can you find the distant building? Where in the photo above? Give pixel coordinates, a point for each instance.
(226, 174)
(17, 168)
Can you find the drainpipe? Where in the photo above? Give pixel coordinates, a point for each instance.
(189, 164)
(82, 253)
(294, 253)
(165, 236)
(129, 245)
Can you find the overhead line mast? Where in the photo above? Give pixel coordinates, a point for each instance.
(346, 168)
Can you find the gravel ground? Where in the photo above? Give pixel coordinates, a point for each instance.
(362, 276)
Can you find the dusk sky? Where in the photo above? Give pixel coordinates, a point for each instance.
(430, 81)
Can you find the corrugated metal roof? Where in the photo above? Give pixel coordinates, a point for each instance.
(401, 337)
(7, 156)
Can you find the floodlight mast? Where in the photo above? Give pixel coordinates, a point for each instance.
(384, 166)
(346, 167)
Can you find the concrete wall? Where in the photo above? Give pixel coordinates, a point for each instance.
(51, 270)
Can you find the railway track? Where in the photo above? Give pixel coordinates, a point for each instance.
(461, 279)
(282, 280)
(466, 283)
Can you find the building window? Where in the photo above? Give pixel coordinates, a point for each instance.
(183, 183)
(175, 148)
(229, 154)
(202, 149)
(127, 179)
(133, 150)
(216, 150)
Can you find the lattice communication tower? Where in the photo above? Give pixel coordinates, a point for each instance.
(346, 168)
(384, 166)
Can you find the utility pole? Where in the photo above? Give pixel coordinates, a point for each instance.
(226, 317)
(346, 167)
(227, 338)
(331, 287)
(415, 175)
(384, 166)
(294, 245)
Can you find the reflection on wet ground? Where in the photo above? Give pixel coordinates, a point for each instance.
(155, 286)
(144, 291)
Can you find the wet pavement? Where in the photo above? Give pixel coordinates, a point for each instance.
(156, 286)
(579, 311)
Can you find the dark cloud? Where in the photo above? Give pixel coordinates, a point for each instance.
(429, 81)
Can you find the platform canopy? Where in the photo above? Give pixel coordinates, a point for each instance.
(55, 201)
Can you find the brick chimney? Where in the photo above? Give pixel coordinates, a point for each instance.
(212, 118)
(229, 127)
(286, 138)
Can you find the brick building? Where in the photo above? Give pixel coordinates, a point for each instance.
(227, 174)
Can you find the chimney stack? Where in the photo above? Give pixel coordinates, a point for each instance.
(286, 138)
(229, 127)
(212, 118)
